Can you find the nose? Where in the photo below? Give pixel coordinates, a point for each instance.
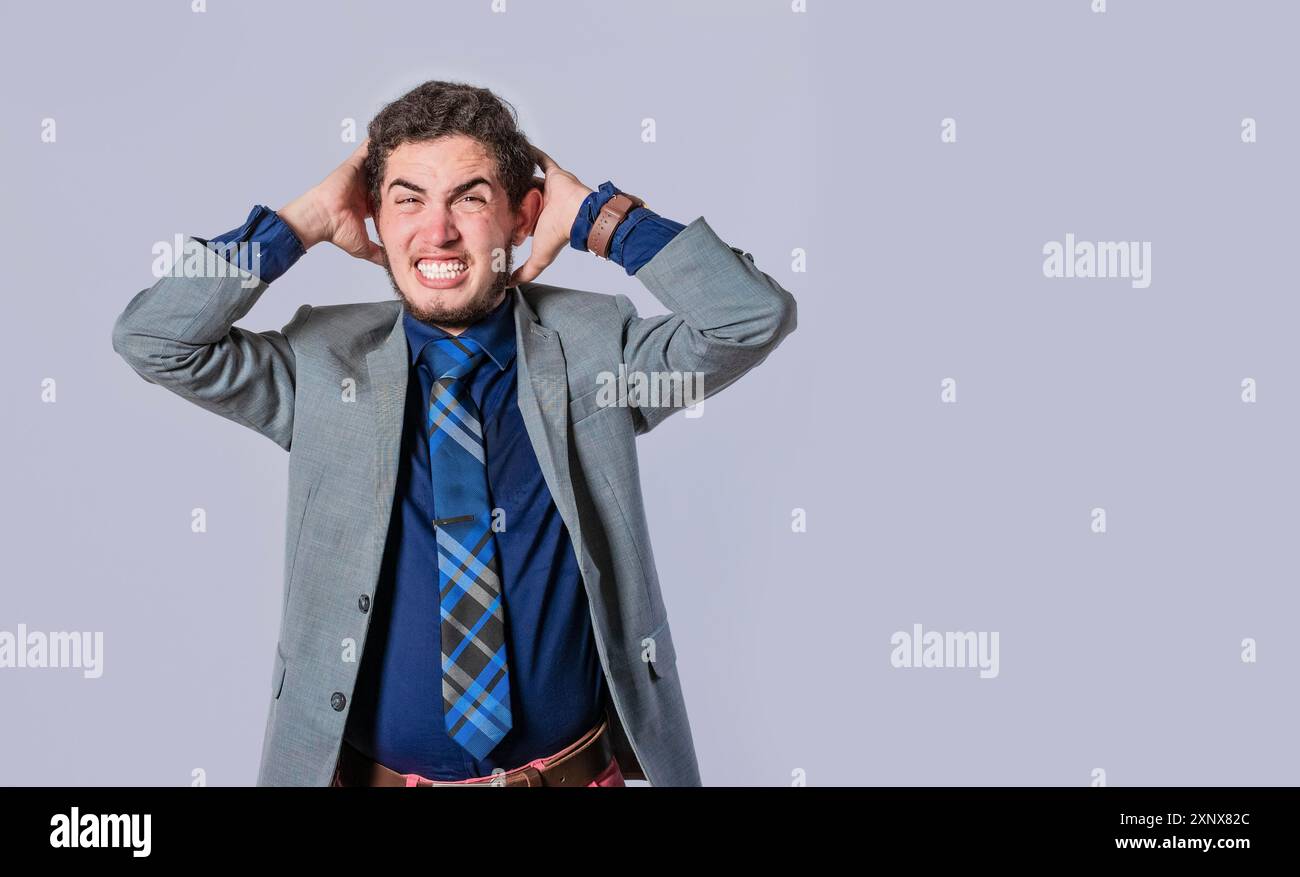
(437, 228)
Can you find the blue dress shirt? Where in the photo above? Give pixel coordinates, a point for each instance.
(557, 687)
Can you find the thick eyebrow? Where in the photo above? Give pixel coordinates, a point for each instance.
(463, 187)
(469, 184)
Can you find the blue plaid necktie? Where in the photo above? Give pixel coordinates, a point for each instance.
(475, 684)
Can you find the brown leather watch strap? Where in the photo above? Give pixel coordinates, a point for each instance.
(611, 214)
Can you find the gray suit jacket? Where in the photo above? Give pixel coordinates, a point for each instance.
(330, 388)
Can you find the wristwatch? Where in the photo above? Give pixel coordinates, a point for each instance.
(612, 212)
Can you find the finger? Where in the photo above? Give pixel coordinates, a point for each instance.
(533, 265)
(358, 155)
(526, 271)
(375, 253)
(544, 161)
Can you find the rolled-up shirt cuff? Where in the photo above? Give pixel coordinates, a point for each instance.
(640, 235)
(277, 247)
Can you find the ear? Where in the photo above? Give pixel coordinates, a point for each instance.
(526, 216)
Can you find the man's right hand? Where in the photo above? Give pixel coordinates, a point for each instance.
(335, 210)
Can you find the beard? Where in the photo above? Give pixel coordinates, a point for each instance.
(463, 316)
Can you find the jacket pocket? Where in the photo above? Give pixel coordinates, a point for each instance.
(297, 547)
(306, 505)
(643, 562)
(584, 406)
(277, 672)
(657, 651)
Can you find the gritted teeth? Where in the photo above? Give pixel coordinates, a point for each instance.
(440, 267)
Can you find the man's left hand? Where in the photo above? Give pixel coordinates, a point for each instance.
(562, 196)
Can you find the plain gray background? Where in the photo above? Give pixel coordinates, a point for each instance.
(817, 131)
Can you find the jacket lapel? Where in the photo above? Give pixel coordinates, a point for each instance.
(544, 403)
(388, 367)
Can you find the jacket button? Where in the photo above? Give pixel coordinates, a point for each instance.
(363, 603)
(338, 701)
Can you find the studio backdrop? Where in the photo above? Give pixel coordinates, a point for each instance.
(1015, 504)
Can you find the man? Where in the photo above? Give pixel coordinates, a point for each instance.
(464, 511)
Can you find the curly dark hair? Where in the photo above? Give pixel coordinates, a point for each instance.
(441, 109)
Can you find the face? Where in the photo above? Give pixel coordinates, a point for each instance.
(448, 230)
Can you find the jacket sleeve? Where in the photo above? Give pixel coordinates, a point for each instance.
(180, 334)
(726, 317)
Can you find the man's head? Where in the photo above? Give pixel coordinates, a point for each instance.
(449, 175)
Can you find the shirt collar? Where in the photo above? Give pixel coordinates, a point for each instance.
(495, 332)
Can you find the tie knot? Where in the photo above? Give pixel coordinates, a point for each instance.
(453, 357)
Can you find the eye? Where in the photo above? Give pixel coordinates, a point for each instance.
(407, 198)
(473, 198)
